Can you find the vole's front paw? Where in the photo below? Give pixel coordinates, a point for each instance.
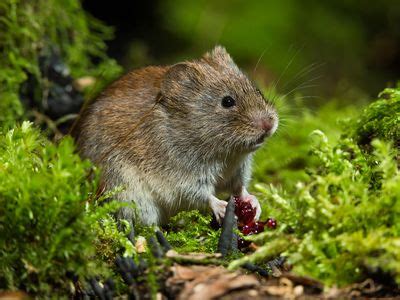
(218, 208)
(254, 202)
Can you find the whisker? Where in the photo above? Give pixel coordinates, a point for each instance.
(259, 59)
(309, 97)
(303, 85)
(287, 67)
(298, 88)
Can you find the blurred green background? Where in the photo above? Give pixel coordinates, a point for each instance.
(319, 48)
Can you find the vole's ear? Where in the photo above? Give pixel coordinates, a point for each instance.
(220, 56)
(180, 77)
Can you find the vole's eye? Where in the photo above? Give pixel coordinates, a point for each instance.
(228, 102)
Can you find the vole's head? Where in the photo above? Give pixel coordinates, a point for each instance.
(216, 105)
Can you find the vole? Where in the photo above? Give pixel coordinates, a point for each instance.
(176, 136)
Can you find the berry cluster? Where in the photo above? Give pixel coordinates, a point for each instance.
(246, 213)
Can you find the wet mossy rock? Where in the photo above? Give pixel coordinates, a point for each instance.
(380, 120)
(30, 30)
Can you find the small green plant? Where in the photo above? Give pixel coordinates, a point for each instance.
(344, 221)
(191, 232)
(46, 214)
(111, 239)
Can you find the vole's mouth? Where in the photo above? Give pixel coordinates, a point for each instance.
(258, 142)
(262, 138)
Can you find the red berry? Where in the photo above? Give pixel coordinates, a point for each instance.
(253, 228)
(242, 243)
(271, 223)
(244, 211)
(247, 229)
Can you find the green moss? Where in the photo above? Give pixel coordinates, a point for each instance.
(45, 219)
(344, 219)
(111, 239)
(191, 232)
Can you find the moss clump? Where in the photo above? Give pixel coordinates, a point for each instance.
(380, 120)
(191, 232)
(345, 219)
(46, 224)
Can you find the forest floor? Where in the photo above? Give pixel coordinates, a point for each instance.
(216, 282)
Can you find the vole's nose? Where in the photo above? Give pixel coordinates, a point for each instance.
(265, 124)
